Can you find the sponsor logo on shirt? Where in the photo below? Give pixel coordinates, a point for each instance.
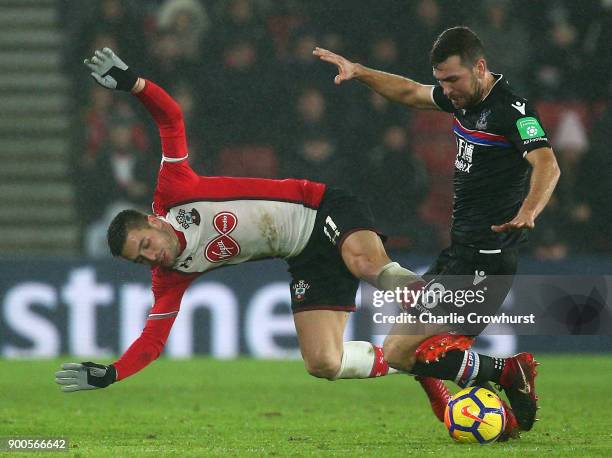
(465, 151)
(222, 247)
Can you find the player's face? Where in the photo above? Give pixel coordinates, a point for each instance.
(461, 84)
(155, 245)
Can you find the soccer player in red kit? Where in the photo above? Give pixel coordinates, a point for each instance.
(202, 222)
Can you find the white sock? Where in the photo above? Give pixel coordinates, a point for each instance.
(363, 360)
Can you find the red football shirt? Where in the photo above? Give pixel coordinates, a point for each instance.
(219, 221)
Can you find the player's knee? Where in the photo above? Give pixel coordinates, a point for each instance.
(368, 266)
(399, 354)
(363, 257)
(364, 266)
(323, 366)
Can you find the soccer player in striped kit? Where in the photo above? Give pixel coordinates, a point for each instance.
(499, 139)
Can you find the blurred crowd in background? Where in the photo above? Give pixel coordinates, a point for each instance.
(257, 103)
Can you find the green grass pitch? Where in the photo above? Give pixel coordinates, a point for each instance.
(204, 407)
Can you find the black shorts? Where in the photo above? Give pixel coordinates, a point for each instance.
(319, 278)
(489, 272)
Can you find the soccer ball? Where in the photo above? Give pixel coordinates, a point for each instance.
(475, 415)
(531, 131)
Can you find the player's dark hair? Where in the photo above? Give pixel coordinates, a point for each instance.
(457, 41)
(119, 227)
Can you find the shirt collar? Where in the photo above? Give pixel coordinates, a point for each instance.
(181, 239)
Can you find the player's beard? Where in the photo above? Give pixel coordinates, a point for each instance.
(477, 93)
(471, 98)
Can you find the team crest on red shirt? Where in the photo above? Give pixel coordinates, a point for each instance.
(223, 246)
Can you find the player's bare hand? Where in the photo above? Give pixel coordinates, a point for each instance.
(522, 220)
(347, 70)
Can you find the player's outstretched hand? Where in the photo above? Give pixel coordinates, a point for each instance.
(85, 376)
(109, 71)
(520, 221)
(347, 70)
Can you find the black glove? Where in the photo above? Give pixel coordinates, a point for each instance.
(111, 72)
(85, 376)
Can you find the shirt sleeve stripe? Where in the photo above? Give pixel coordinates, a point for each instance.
(161, 316)
(174, 159)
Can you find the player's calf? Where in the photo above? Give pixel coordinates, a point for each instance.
(400, 351)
